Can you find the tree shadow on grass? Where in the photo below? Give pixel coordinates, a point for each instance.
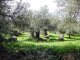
(35, 39)
(52, 38)
(72, 39)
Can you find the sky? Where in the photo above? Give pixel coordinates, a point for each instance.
(36, 4)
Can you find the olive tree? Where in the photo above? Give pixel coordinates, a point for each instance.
(5, 23)
(44, 19)
(70, 10)
(40, 21)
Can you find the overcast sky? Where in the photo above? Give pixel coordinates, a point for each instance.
(36, 4)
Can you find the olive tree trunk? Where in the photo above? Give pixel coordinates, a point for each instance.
(38, 34)
(69, 36)
(45, 32)
(32, 34)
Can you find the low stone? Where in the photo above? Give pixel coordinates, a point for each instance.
(61, 38)
(13, 38)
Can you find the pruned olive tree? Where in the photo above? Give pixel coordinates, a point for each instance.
(71, 12)
(44, 17)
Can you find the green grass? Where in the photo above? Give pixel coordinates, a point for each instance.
(26, 43)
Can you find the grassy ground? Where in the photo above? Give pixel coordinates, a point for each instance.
(26, 43)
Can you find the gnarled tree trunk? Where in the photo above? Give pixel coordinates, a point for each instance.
(38, 34)
(69, 36)
(45, 32)
(32, 33)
